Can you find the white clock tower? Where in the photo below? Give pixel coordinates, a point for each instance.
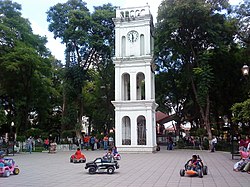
(135, 125)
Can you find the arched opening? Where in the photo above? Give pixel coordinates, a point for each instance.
(126, 131)
(141, 131)
(127, 14)
(142, 12)
(122, 14)
(125, 87)
(140, 86)
(123, 47)
(137, 13)
(142, 45)
(132, 14)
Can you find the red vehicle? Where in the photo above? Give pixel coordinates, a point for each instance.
(78, 157)
(8, 167)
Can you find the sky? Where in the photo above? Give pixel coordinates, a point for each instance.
(35, 11)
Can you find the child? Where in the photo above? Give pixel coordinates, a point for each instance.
(194, 163)
(115, 151)
(78, 154)
(108, 156)
(116, 155)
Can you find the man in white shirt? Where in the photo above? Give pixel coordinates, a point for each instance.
(213, 142)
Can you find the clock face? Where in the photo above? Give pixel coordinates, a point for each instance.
(132, 36)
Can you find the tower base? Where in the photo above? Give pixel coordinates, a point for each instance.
(136, 149)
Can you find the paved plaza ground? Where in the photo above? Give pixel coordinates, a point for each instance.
(136, 170)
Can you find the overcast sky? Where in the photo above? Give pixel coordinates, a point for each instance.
(35, 11)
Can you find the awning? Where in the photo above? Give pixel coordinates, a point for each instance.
(162, 118)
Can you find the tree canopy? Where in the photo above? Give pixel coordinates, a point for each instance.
(195, 46)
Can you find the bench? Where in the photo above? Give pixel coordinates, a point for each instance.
(235, 153)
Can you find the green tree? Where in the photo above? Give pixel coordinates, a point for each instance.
(189, 33)
(25, 67)
(89, 40)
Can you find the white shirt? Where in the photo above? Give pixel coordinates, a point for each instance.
(214, 140)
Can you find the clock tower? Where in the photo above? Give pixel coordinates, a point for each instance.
(135, 125)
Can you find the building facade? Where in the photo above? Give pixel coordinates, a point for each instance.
(135, 123)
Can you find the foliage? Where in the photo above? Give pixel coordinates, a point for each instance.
(20, 138)
(243, 22)
(3, 118)
(34, 132)
(68, 134)
(241, 111)
(25, 65)
(89, 40)
(189, 34)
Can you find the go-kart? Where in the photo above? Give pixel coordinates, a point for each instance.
(77, 159)
(102, 165)
(198, 170)
(8, 167)
(117, 156)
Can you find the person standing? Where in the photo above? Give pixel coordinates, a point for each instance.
(105, 142)
(86, 142)
(213, 144)
(92, 142)
(170, 143)
(111, 141)
(46, 143)
(29, 144)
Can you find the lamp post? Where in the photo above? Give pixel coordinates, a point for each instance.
(12, 134)
(245, 70)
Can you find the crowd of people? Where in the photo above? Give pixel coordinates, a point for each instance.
(94, 143)
(244, 149)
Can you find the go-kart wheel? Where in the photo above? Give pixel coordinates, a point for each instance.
(182, 172)
(92, 170)
(6, 173)
(16, 171)
(110, 170)
(200, 173)
(205, 170)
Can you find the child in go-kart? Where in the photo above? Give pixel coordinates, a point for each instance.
(109, 157)
(116, 155)
(78, 155)
(194, 163)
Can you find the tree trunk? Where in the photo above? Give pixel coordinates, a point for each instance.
(204, 114)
